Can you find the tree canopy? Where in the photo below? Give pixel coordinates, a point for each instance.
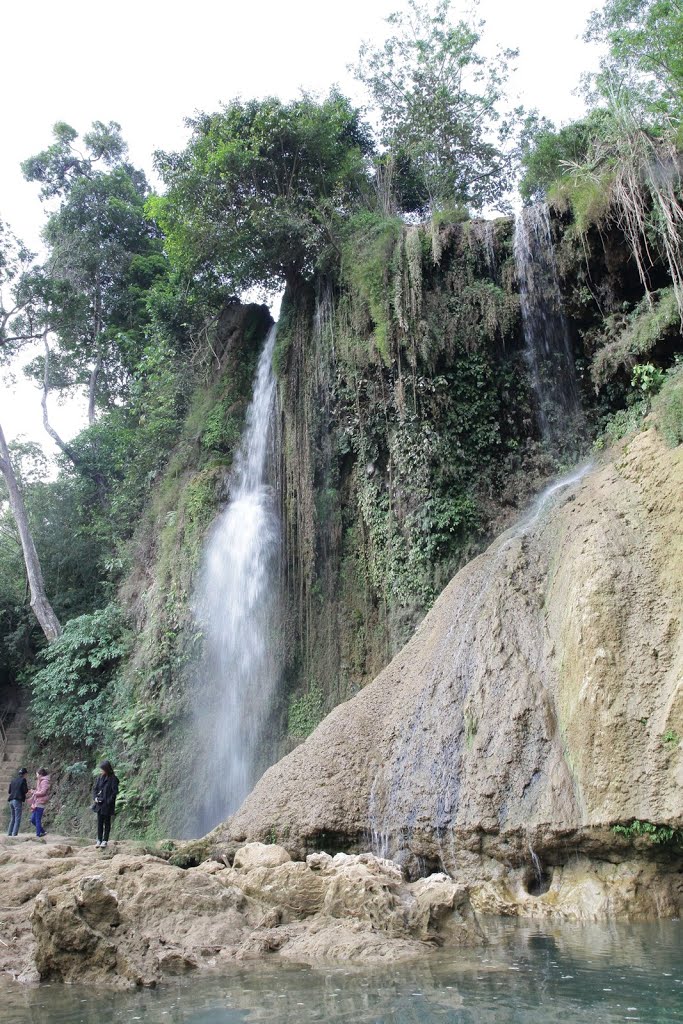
(442, 105)
(256, 197)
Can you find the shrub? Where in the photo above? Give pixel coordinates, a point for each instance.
(658, 834)
(668, 407)
(70, 696)
(305, 712)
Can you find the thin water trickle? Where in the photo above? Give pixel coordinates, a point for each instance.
(548, 343)
(235, 607)
(389, 826)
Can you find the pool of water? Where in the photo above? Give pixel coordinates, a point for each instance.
(529, 974)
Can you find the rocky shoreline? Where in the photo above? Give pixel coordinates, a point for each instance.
(133, 917)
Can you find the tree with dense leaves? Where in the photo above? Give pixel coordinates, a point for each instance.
(256, 198)
(441, 106)
(103, 256)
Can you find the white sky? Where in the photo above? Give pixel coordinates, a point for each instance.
(148, 65)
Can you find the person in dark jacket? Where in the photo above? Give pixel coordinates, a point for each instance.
(104, 802)
(17, 790)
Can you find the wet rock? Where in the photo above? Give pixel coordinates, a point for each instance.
(135, 919)
(530, 710)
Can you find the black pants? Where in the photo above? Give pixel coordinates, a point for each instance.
(103, 826)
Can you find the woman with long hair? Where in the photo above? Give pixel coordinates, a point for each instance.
(104, 802)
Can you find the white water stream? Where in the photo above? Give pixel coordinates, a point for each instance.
(236, 609)
(548, 343)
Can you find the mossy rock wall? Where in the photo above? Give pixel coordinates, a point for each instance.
(408, 438)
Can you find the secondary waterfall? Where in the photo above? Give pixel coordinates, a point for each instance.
(548, 344)
(236, 609)
(394, 816)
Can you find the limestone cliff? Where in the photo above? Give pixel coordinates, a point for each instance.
(539, 703)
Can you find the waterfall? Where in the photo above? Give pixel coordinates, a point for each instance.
(391, 821)
(235, 608)
(548, 344)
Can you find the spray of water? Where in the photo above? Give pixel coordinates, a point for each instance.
(236, 610)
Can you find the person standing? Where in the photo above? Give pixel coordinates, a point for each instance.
(17, 790)
(104, 802)
(39, 798)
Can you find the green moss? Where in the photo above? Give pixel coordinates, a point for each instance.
(626, 337)
(588, 197)
(668, 406)
(367, 258)
(305, 712)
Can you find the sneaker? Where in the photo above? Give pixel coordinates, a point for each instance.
(98, 844)
(102, 845)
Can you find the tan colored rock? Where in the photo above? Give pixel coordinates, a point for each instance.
(260, 855)
(133, 919)
(539, 702)
(292, 888)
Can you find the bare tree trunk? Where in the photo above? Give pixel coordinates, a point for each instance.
(66, 448)
(42, 608)
(95, 372)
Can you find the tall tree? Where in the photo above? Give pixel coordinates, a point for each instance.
(441, 105)
(14, 264)
(49, 623)
(256, 197)
(103, 254)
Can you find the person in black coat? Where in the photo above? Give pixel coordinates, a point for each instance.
(16, 795)
(104, 802)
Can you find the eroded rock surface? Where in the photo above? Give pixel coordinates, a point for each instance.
(129, 918)
(539, 704)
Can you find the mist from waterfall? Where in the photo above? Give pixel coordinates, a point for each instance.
(548, 343)
(235, 607)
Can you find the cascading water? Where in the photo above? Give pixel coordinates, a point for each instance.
(235, 608)
(391, 821)
(548, 344)
(548, 350)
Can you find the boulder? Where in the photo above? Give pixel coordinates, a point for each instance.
(260, 855)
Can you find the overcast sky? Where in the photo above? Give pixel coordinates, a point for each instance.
(148, 65)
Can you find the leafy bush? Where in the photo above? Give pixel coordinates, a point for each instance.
(70, 701)
(668, 407)
(305, 712)
(658, 834)
(647, 378)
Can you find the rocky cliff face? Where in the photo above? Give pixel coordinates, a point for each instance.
(539, 704)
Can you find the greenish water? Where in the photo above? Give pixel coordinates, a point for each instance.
(530, 974)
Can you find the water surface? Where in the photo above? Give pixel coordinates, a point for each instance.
(530, 974)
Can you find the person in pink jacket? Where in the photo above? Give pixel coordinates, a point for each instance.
(39, 798)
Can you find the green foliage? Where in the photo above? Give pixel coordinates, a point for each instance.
(626, 336)
(548, 152)
(622, 423)
(305, 712)
(369, 244)
(588, 198)
(256, 198)
(658, 834)
(440, 105)
(103, 258)
(71, 697)
(647, 379)
(643, 53)
(668, 406)
(671, 737)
